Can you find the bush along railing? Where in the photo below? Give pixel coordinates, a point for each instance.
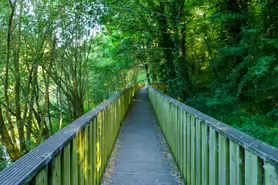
(209, 152)
(78, 154)
(163, 87)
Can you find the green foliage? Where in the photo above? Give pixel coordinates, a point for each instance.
(259, 127)
(218, 56)
(59, 59)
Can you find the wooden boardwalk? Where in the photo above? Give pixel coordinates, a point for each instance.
(140, 158)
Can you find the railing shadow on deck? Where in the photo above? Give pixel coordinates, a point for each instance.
(209, 152)
(79, 153)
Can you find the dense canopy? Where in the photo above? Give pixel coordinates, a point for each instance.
(60, 58)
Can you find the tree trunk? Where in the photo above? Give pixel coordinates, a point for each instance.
(19, 121)
(147, 72)
(6, 139)
(6, 83)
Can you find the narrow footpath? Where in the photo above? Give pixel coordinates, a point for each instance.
(141, 157)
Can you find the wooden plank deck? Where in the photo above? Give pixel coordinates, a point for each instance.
(140, 158)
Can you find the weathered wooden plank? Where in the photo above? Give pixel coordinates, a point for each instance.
(110, 130)
(104, 138)
(163, 113)
(95, 151)
(102, 144)
(236, 164)
(252, 169)
(167, 122)
(86, 155)
(185, 149)
(193, 150)
(98, 149)
(122, 108)
(113, 123)
(56, 177)
(81, 158)
(213, 157)
(188, 138)
(74, 161)
(181, 142)
(176, 132)
(41, 178)
(108, 134)
(66, 164)
(271, 174)
(205, 153)
(91, 154)
(177, 135)
(198, 152)
(170, 126)
(180, 146)
(223, 160)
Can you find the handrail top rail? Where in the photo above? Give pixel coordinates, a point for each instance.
(29, 165)
(261, 149)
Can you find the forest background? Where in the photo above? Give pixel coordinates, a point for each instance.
(59, 59)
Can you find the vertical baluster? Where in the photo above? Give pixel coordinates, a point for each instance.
(198, 152)
(177, 134)
(185, 149)
(81, 158)
(193, 150)
(182, 155)
(188, 138)
(236, 163)
(105, 137)
(100, 145)
(86, 155)
(56, 171)
(66, 165)
(95, 164)
(252, 169)
(271, 174)
(213, 158)
(74, 160)
(98, 148)
(205, 153)
(91, 154)
(223, 160)
(41, 178)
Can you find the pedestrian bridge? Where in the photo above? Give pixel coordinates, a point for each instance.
(206, 151)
